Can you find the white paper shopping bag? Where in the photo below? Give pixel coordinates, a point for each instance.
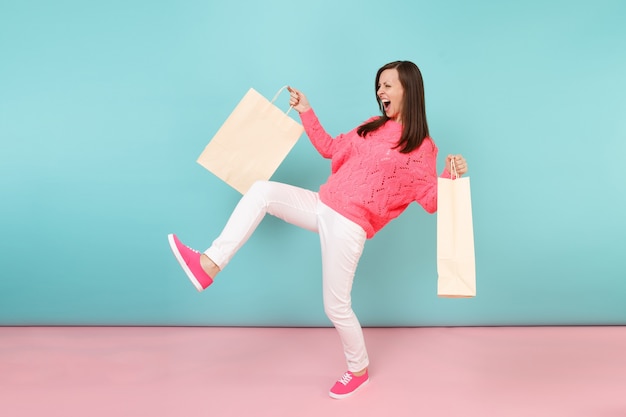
(252, 142)
(456, 264)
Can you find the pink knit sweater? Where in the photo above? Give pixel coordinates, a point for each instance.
(370, 182)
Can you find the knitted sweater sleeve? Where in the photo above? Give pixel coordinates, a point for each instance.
(426, 194)
(320, 139)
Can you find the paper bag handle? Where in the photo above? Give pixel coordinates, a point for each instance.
(276, 96)
(453, 168)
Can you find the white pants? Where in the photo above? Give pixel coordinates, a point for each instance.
(342, 244)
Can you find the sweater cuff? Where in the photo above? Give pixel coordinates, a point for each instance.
(307, 115)
(446, 173)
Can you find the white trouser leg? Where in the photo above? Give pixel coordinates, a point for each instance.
(292, 204)
(342, 245)
(341, 240)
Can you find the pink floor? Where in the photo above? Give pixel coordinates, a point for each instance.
(182, 371)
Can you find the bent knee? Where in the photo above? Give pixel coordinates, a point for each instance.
(259, 186)
(338, 311)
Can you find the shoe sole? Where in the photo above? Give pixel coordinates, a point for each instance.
(341, 396)
(183, 264)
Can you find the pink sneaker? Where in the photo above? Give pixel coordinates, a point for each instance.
(189, 260)
(348, 384)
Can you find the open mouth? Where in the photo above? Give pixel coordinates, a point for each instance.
(386, 104)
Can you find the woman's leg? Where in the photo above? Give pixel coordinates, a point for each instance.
(294, 205)
(342, 245)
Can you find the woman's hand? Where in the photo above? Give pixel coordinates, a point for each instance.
(459, 163)
(298, 100)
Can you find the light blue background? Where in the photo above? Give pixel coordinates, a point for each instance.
(105, 106)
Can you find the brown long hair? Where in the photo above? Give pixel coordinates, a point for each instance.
(414, 124)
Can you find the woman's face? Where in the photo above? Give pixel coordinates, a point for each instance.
(391, 94)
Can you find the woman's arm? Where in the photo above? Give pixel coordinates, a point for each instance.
(320, 139)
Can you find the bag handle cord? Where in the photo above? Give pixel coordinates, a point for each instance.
(453, 168)
(276, 96)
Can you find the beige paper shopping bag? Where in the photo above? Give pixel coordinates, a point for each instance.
(456, 264)
(252, 142)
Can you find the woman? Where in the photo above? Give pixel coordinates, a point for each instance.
(377, 170)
